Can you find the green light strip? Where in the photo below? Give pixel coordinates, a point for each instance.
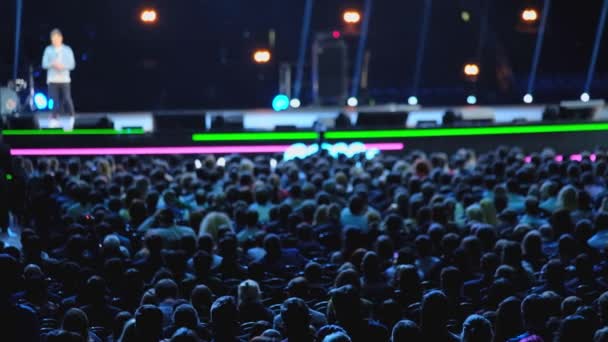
(465, 131)
(84, 131)
(257, 136)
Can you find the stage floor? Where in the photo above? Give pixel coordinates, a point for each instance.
(267, 120)
(134, 132)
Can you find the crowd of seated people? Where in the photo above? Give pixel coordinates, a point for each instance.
(495, 247)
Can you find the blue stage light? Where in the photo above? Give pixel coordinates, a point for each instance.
(51, 104)
(280, 102)
(471, 99)
(412, 100)
(41, 101)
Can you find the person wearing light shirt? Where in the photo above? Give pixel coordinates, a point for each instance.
(58, 60)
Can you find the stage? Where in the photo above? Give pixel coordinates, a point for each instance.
(266, 131)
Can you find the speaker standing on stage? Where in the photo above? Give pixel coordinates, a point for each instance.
(59, 61)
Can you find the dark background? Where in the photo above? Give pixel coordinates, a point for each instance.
(199, 53)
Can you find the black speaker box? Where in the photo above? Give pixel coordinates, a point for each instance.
(179, 122)
(382, 119)
(228, 123)
(22, 122)
(85, 122)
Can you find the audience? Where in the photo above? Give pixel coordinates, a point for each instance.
(490, 247)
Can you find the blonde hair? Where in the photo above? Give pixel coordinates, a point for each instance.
(249, 292)
(212, 222)
(568, 198)
(321, 215)
(488, 210)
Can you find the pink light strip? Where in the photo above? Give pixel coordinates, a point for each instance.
(560, 158)
(385, 146)
(104, 151)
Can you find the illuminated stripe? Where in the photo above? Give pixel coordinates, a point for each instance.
(464, 131)
(84, 131)
(255, 136)
(100, 151)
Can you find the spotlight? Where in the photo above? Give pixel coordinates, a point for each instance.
(412, 100)
(280, 103)
(465, 16)
(528, 98)
(529, 15)
(262, 56)
(471, 99)
(471, 69)
(585, 97)
(352, 102)
(336, 34)
(148, 16)
(295, 103)
(41, 101)
(351, 16)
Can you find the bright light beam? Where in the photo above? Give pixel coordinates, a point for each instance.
(596, 47)
(422, 37)
(304, 38)
(539, 46)
(361, 49)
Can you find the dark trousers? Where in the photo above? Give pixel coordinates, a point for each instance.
(61, 94)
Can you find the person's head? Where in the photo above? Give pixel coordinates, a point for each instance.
(224, 316)
(313, 272)
(511, 255)
(249, 292)
(59, 335)
(184, 335)
(451, 281)
(185, 316)
(533, 312)
(298, 287)
(433, 313)
(602, 303)
(337, 337)
(212, 223)
(508, 321)
(272, 245)
(553, 272)
(570, 305)
(56, 37)
(201, 262)
(346, 302)
(573, 329)
(370, 265)
(201, 298)
(357, 205)
(149, 323)
(9, 273)
(532, 244)
(406, 331)
(408, 280)
(166, 289)
(476, 328)
(296, 316)
(601, 335)
(76, 321)
(568, 198)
